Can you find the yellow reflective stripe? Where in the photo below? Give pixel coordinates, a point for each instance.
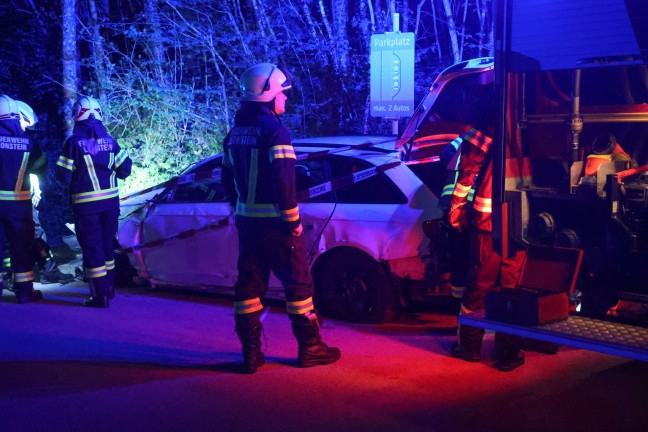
(604, 157)
(95, 195)
(300, 307)
(478, 139)
(256, 210)
(97, 272)
(448, 189)
(464, 310)
(21, 173)
(121, 157)
(65, 163)
(461, 191)
(290, 215)
(456, 142)
(471, 195)
(282, 152)
(110, 265)
(113, 174)
(252, 176)
(15, 196)
(484, 205)
(247, 306)
(457, 292)
(91, 172)
(24, 277)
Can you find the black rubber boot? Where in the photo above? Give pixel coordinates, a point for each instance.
(99, 298)
(110, 289)
(100, 302)
(248, 329)
(312, 351)
(468, 347)
(25, 292)
(50, 274)
(507, 352)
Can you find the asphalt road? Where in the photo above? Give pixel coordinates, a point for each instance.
(166, 361)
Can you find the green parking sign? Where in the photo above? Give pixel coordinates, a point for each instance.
(392, 75)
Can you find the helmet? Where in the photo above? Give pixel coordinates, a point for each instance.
(28, 117)
(8, 108)
(263, 81)
(87, 108)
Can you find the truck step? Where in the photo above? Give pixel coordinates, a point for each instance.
(607, 337)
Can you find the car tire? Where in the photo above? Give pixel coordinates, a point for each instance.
(352, 286)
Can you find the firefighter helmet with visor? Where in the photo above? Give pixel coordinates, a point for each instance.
(87, 108)
(28, 117)
(8, 108)
(264, 81)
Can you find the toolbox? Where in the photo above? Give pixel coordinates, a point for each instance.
(541, 295)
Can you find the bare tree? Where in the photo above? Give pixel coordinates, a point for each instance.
(340, 11)
(452, 31)
(98, 51)
(155, 39)
(69, 54)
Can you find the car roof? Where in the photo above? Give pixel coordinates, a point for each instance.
(360, 146)
(374, 149)
(382, 142)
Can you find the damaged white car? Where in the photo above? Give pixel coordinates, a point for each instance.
(365, 202)
(362, 209)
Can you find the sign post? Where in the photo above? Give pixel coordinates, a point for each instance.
(392, 76)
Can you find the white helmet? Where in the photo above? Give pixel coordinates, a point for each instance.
(87, 108)
(263, 81)
(8, 108)
(28, 117)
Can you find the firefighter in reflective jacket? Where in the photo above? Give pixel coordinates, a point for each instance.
(485, 265)
(455, 241)
(17, 155)
(259, 173)
(91, 162)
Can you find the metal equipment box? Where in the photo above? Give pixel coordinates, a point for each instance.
(541, 296)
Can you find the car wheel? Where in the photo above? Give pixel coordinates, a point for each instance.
(352, 286)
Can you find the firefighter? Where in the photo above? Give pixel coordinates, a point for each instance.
(485, 265)
(455, 242)
(259, 173)
(53, 209)
(91, 162)
(46, 271)
(17, 156)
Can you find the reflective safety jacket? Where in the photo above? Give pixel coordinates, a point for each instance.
(259, 166)
(451, 156)
(91, 162)
(476, 170)
(17, 153)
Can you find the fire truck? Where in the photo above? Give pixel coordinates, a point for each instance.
(571, 83)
